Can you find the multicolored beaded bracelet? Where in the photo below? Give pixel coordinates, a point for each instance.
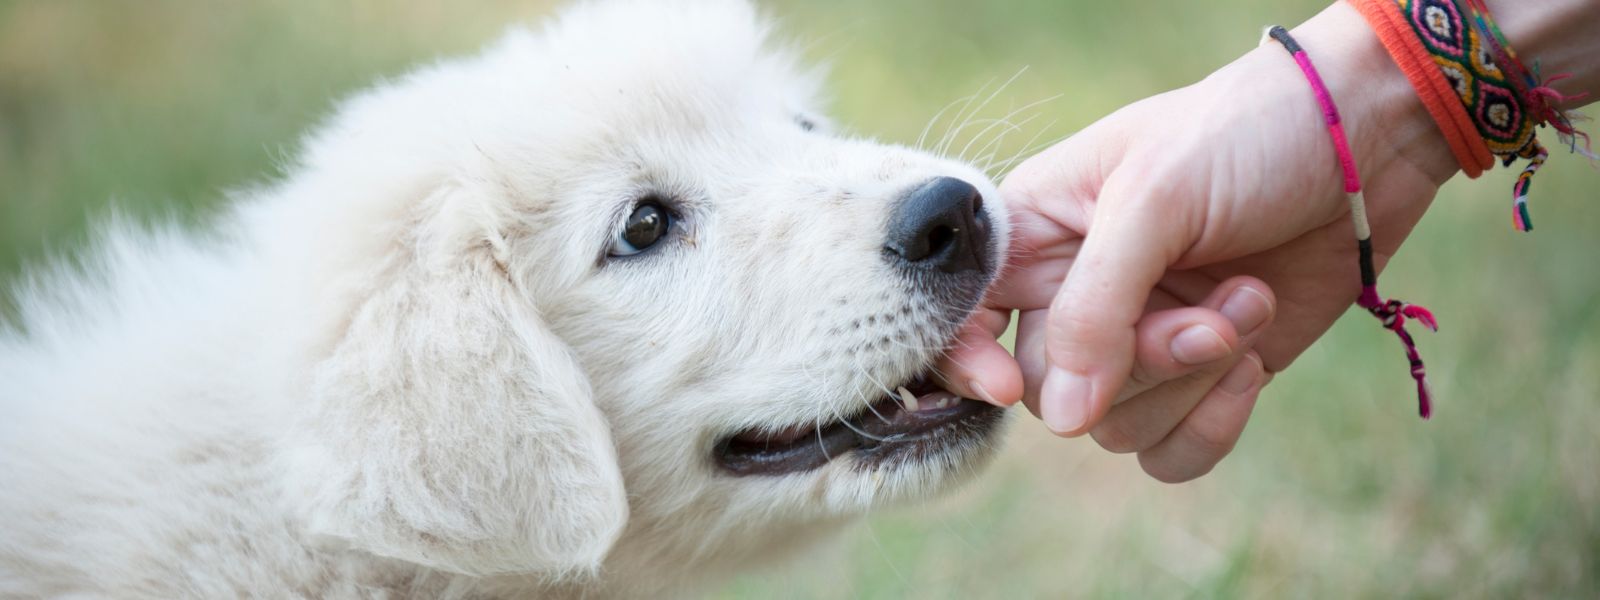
(1392, 313)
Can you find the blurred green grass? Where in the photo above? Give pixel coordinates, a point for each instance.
(1337, 490)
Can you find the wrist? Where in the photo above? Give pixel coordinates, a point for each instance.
(1558, 35)
(1389, 128)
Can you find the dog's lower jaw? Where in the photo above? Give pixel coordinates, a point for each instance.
(840, 495)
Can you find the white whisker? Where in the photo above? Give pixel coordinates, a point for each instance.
(1007, 120)
(944, 149)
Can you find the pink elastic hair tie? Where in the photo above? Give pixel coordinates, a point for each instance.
(1392, 313)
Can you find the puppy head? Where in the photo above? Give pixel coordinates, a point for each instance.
(626, 248)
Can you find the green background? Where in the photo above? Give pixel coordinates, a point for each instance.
(1336, 490)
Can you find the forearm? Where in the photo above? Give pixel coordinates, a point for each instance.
(1563, 36)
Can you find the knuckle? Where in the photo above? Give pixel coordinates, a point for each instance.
(1212, 440)
(1071, 326)
(1143, 377)
(993, 322)
(1018, 189)
(1116, 438)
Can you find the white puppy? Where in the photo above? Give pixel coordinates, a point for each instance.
(603, 311)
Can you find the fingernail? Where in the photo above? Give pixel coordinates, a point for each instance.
(1247, 309)
(1241, 376)
(983, 394)
(1064, 401)
(1199, 345)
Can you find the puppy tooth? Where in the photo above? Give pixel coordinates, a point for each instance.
(909, 398)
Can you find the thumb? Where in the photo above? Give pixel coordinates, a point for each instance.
(1090, 337)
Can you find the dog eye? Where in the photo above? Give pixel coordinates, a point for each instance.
(644, 228)
(804, 123)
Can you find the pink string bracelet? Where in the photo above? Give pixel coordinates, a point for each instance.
(1392, 313)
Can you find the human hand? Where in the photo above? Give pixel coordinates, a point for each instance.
(1222, 199)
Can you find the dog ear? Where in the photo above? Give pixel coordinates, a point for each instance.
(447, 426)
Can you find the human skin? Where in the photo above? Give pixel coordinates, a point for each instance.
(1174, 255)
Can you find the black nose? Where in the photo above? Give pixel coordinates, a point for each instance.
(940, 225)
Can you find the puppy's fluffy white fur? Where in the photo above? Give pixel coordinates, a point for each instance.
(407, 368)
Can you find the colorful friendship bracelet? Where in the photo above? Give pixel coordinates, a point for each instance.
(1502, 100)
(1437, 95)
(1392, 313)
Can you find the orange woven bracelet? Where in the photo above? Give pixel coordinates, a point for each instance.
(1437, 96)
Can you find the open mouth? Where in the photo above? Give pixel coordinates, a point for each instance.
(919, 421)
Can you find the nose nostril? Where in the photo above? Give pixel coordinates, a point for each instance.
(940, 226)
(939, 238)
